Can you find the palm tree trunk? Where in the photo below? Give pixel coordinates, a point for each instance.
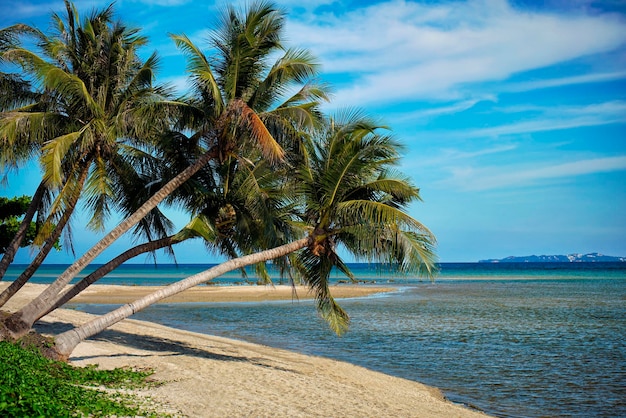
(48, 244)
(18, 324)
(32, 268)
(67, 341)
(109, 267)
(12, 248)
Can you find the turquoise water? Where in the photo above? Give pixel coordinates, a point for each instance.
(527, 340)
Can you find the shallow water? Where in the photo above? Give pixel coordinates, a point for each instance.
(525, 342)
(510, 349)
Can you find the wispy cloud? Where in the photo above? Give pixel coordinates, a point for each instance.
(25, 10)
(433, 112)
(564, 81)
(548, 119)
(402, 50)
(447, 156)
(489, 178)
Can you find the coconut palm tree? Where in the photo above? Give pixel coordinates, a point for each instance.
(349, 197)
(237, 105)
(92, 111)
(15, 92)
(197, 228)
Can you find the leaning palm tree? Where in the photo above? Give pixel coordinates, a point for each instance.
(237, 104)
(348, 196)
(95, 93)
(240, 209)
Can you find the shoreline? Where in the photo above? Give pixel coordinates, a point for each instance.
(202, 375)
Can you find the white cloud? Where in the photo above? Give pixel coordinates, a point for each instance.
(402, 50)
(565, 81)
(549, 119)
(454, 162)
(488, 178)
(433, 112)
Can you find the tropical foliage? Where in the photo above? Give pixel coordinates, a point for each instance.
(228, 119)
(263, 174)
(33, 385)
(10, 212)
(97, 115)
(346, 196)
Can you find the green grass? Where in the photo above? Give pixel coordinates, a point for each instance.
(34, 386)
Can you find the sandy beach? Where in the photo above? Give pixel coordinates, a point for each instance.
(206, 376)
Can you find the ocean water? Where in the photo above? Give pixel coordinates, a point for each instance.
(513, 340)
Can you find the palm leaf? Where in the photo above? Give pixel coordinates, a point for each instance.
(316, 271)
(53, 153)
(259, 133)
(198, 65)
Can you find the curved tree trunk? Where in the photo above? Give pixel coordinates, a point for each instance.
(67, 341)
(109, 267)
(18, 324)
(12, 248)
(48, 244)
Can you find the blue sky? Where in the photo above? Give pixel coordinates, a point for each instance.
(513, 112)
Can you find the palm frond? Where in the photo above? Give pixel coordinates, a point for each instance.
(199, 226)
(53, 153)
(100, 194)
(315, 271)
(259, 133)
(200, 68)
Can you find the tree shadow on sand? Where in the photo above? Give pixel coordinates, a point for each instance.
(158, 345)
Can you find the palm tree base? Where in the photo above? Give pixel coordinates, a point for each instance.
(12, 327)
(45, 345)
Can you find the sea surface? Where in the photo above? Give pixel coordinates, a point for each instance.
(513, 340)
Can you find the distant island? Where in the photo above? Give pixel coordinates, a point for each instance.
(570, 258)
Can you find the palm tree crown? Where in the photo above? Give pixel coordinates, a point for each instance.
(354, 201)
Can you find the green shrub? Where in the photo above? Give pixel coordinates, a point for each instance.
(33, 386)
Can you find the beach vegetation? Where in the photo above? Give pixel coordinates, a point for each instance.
(35, 386)
(97, 112)
(262, 172)
(11, 210)
(237, 106)
(88, 123)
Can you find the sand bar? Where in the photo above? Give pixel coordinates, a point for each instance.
(208, 376)
(124, 294)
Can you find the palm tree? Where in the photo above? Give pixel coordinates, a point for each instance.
(236, 106)
(15, 92)
(348, 197)
(251, 214)
(95, 91)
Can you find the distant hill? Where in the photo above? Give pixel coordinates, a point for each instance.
(570, 258)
